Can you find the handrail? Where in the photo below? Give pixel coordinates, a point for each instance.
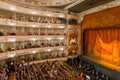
(16, 23)
(51, 59)
(9, 54)
(29, 38)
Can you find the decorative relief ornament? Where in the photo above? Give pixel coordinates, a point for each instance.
(73, 41)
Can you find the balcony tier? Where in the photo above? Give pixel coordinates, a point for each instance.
(10, 54)
(15, 8)
(10, 22)
(30, 38)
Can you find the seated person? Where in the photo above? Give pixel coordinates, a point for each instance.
(22, 18)
(1, 51)
(35, 33)
(42, 33)
(13, 48)
(1, 34)
(1, 16)
(31, 19)
(49, 33)
(8, 49)
(11, 33)
(29, 33)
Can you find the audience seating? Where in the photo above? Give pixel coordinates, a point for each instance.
(55, 70)
(87, 69)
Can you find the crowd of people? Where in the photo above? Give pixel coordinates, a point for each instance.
(31, 44)
(88, 70)
(42, 56)
(55, 70)
(37, 19)
(51, 70)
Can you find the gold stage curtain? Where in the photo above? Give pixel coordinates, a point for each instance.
(102, 43)
(102, 19)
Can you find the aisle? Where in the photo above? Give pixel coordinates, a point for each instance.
(12, 77)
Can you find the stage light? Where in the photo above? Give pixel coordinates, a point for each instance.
(12, 8)
(33, 25)
(11, 39)
(11, 54)
(61, 49)
(12, 23)
(49, 50)
(33, 39)
(34, 12)
(48, 14)
(34, 52)
(49, 26)
(62, 16)
(61, 26)
(49, 39)
(61, 38)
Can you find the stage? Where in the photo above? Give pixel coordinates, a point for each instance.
(103, 63)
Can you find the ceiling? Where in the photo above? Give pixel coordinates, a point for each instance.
(87, 4)
(83, 5)
(72, 5)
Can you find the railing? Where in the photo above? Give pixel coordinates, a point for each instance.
(16, 23)
(71, 16)
(29, 38)
(15, 53)
(51, 59)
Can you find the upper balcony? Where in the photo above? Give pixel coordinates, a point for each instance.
(33, 11)
(18, 19)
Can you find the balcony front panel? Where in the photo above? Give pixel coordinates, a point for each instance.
(30, 38)
(10, 54)
(10, 22)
